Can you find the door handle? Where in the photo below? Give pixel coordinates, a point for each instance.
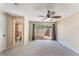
(4, 35)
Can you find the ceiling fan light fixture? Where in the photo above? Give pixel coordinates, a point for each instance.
(51, 15)
(48, 11)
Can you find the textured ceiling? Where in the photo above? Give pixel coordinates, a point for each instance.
(32, 10)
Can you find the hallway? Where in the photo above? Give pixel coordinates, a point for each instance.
(40, 48)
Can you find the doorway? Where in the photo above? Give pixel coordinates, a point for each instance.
(18, 37)
(14, 24)
(42, 31)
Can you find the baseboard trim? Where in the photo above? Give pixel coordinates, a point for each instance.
(5, 49)
(60, 41)
(9, 47)
(2, 50)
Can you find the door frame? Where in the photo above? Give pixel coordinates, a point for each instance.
(54, 31)
(14, 31)
(54, 37)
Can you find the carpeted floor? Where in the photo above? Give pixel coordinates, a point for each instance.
(40, 48)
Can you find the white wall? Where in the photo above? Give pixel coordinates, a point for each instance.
(2, 32)
(68, 31)
(26, 31)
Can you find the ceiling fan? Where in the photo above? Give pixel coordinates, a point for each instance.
(50, 15)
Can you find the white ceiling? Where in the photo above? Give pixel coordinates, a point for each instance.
(32, 10)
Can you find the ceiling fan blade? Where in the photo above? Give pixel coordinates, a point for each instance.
(44, 18)
(41, 16)
(56, 17)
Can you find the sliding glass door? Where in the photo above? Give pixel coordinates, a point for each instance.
(43, 31)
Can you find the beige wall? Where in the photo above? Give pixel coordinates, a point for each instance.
(68, 31)
(2, 13)
(30, 30)
(9, 30)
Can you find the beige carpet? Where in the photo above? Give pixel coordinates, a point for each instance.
(40, 48)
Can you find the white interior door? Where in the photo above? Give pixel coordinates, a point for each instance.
(2, 33)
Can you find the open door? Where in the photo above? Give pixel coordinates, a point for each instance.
(2, 33)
